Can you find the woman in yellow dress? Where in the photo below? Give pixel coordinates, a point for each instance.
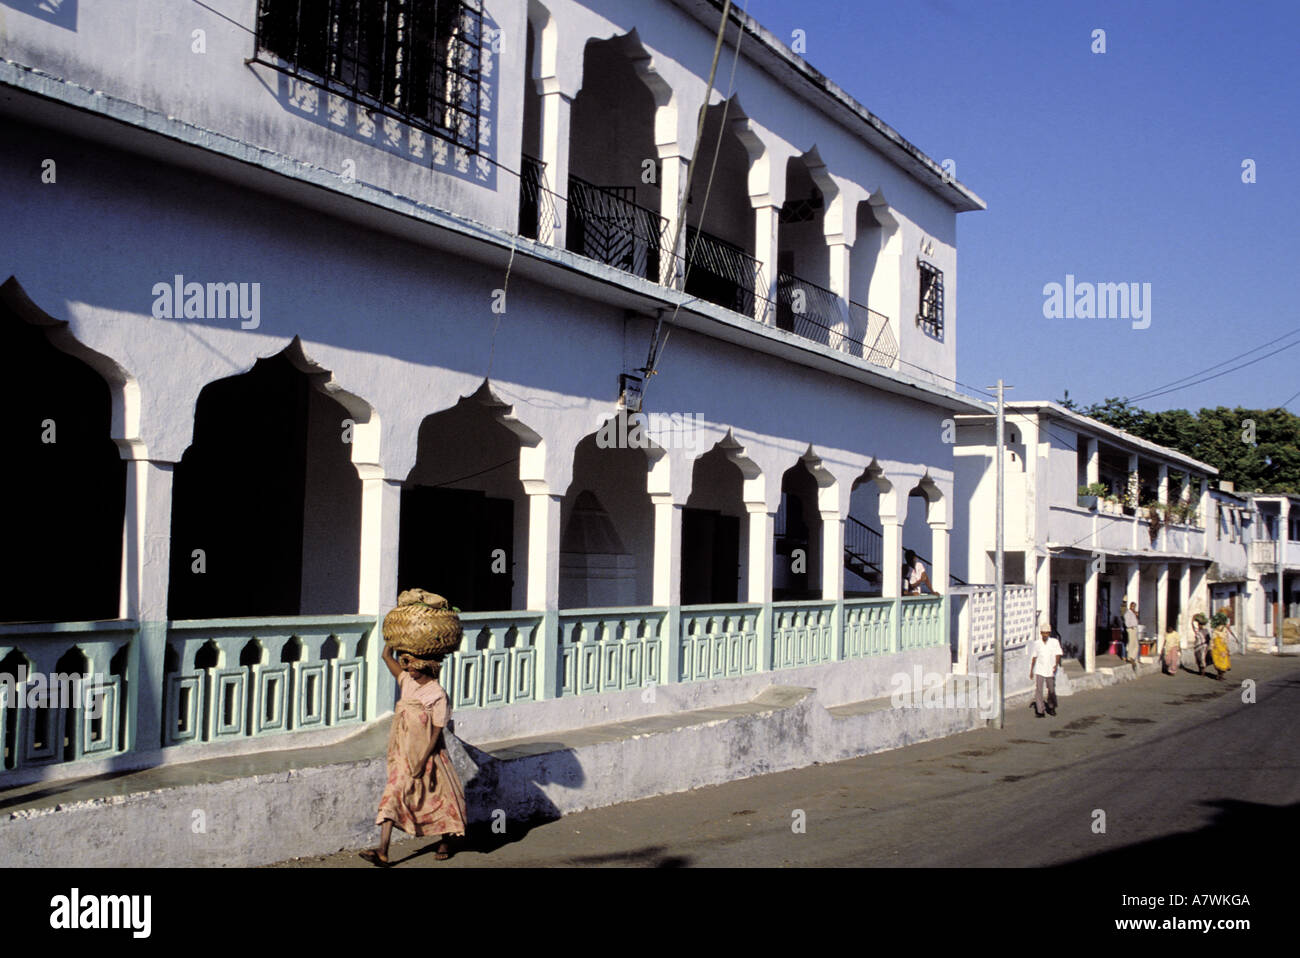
(1219, 646)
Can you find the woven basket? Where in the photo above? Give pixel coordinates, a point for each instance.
(422, 624)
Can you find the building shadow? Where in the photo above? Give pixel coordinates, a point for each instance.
(1238, 830)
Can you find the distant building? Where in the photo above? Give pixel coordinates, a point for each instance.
(1140, 538)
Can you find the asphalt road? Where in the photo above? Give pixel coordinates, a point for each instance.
(1181, 768)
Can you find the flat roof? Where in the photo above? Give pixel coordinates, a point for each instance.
(1058, 411)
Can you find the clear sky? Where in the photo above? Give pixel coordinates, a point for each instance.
(1115, 167)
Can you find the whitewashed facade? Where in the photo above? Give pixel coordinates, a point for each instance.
(310, 329)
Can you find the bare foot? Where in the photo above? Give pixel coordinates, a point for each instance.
(375, 857)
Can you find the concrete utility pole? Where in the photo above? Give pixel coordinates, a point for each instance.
(999, 571)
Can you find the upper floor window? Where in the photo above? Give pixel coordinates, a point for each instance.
(930, 312)
(415, 60)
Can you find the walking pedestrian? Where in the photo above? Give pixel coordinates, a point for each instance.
(423, 794)
(1045, 659)
(1219, 646)
(1172, 653)
(1200, 641)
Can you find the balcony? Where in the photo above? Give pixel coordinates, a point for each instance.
(605, 224)
(724, 274)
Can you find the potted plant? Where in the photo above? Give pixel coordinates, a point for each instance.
(1089, 494)
(1154, 521)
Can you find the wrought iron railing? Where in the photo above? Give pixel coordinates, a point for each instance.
(417, 62)
(537, 218)
(877, 345)
(862, 545)
(723, 273)
(811, 311)
(606, 224)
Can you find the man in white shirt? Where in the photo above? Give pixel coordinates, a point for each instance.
(914, 574)
(1044, 660)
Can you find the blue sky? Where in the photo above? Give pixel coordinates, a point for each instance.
(1123, 166)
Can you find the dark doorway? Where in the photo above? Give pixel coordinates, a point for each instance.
(449, 541)
(710, 557)
(65, 487)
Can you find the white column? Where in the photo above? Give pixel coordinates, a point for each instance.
(381, 503)
(672, 182)
(761, 528)
(146, 560)
(1090, 617)
(543, 550)
(1133, 588)
(832, 556)
(544, 581)
(1162, 494)
(1162, 599)
(555, 151)
(667, 584)
(891, 556)
(1043, 591)
(1093, 468)
(1134, 489)
(766, 224)
(1184, 597)
(939, 537)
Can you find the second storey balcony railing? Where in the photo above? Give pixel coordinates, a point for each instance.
(537, 217)
(723, 273)
(605, 224)
(878, 344)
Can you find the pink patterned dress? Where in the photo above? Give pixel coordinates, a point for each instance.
(428, 800)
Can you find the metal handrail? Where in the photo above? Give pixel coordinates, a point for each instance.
(878, 346)
(537, 216)
(608, 227)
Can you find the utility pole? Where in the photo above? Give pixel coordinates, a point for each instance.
(999, 611)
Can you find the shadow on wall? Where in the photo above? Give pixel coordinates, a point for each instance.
(495, 785)
(310, 102)
(61, 13)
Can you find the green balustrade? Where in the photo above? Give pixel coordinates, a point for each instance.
(802, 633)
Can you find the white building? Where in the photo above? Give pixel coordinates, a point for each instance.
(310, 307)
(1085, 554)
(1274, 557)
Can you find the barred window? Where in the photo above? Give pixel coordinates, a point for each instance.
(930, 312)
(415, 60)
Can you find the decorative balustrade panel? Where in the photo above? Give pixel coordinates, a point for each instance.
(63, 689)
(496, 663)
(868, 627)
(606, 650)
(922, 624)
(803, 633)
(229, 679)
(1018, 625)
(719, 642)
(722, 273)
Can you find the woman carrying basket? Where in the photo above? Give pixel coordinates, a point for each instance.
(424, 795)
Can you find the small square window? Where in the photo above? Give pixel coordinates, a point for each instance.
(930, 309)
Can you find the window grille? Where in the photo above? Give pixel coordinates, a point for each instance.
(930, 312)
(415, 60)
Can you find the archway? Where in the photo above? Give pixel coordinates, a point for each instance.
(66, 486)
(266, 503)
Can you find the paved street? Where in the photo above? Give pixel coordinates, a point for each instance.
(1181, 768)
